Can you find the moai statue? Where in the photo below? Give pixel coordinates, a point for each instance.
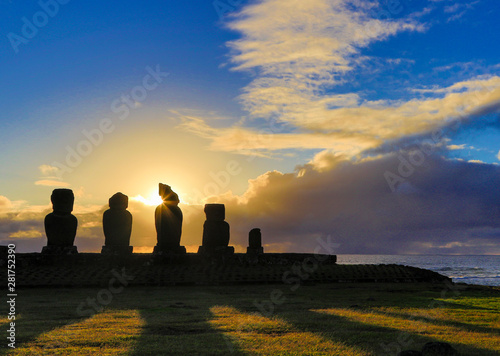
(61, 225)
(168, 222)
(255, 242)
(117, 226)
(215, 231)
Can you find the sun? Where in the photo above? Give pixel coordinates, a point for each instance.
(154, 199)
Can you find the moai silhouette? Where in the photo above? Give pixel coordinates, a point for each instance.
(117, 226)
(255, 242)
(168, 222)
(215, 231)
(61, 225)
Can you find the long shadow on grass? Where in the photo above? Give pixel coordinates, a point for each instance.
(296, 310)
(355, 333)
(181, 328)
(440, 322)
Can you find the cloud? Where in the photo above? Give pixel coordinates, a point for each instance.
(452, 8)
(26, 234)
(5, 204)
(49, 171)
(52, 183)
(458, 10)
(21, 224)
(51, 177)
(498, 155)
(300, 49)
(262, 142)
(456, 147)
(436, 210)
(352, 130)
(298, 53)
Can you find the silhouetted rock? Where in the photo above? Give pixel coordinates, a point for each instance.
(255, 242)
(438, 349)
(168, 222)
(410, 353)
(215, 231)
(117, 226)
(61, 225)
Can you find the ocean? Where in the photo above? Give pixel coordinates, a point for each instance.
(482, 270)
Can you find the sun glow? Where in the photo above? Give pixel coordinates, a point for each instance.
(151, 200)
(154, 199)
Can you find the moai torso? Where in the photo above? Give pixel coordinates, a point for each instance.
(168, 219)
(215, 229)
(255, 238)
(117, 221)
(61, 225)
(255, 242)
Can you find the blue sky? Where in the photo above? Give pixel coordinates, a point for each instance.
(282, 90)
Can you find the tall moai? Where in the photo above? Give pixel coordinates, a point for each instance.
(255, 242)
(117, 226)
(168, 222)
(61, 225)
(215, 231)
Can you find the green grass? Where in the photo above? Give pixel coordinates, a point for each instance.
(325, 319)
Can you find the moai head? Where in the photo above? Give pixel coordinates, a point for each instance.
(118, 201)
(168, 195)
(62, 201)
(215, 212)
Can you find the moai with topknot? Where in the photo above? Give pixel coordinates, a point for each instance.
(61, 225)
(117, 226)
(255, 242)
(168, 222)
(215, 231)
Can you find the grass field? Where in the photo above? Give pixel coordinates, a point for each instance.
(324, 319)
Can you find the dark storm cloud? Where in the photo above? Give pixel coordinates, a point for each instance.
(444, 206)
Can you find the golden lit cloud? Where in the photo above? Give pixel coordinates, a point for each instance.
(253, 142)
(299, 51)
(52, 183)
(51, 177)
(351, 130)
(48, 170)
(26, 234)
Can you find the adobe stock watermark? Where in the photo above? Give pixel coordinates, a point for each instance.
(294, 278)
(121, 107)
(415, 158)
(105, 296)
(224, 7)
(30, 26)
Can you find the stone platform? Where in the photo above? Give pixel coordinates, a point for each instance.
(93, 269)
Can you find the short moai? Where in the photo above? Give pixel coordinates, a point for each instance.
(168, 222)
(215, 231)
(255, 242)
(117, 226)
(61, 225)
